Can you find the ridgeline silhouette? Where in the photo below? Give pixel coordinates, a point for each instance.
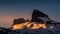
(38, 17)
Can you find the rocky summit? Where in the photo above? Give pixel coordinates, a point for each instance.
(38, 18)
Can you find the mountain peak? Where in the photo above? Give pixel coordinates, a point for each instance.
(39, 13)
(36, 15)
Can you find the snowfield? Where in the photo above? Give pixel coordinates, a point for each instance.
(55, 30)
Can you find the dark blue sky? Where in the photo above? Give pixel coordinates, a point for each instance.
(11, 9)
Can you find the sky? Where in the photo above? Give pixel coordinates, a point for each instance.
(13, 9)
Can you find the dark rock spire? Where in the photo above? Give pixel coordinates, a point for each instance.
(36, 14)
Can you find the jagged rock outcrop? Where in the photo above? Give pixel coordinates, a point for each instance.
(18, 21)
(5, 30)
(38, 16)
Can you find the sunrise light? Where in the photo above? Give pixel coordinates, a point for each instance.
(29, 25)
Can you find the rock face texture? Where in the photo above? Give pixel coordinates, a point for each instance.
(18, 21)
(38, 16)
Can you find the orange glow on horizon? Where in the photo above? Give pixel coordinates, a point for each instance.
(28, 26)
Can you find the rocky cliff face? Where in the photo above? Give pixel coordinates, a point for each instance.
(39, 17)
(18, 21)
